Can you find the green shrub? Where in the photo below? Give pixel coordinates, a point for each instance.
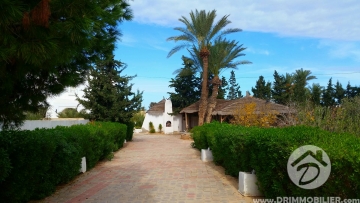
(160, 128)
(267, 151)
(32, 163)
(129, 131)
(151, 127)
(73, 113)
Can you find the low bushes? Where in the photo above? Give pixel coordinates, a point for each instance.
(130, 130)
(32, 163)
(266, 150)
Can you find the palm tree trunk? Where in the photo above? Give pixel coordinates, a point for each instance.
(212, 101)
(204, 54)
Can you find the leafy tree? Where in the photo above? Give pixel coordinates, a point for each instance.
(199, 33)
(41, 113)
(339, 93)
(278, 88)
(301, 78)
(73, 113)
(262, 89)
(351, 91)
(186, 86)
(282, 88)
(328, 95)
(46, 47)
(234, 88)
(222, 88)
(315, 92)
(108, 95)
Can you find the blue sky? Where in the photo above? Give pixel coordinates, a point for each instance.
(323, 37)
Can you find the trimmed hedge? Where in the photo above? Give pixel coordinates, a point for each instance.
(130, 130)
(32, 163)
(266, 150)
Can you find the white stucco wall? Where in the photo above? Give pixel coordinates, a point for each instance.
(67, 99)
(178, 124)
(33, 124)
(155, 118)
(168, 118)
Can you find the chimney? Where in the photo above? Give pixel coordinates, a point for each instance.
(248, 94)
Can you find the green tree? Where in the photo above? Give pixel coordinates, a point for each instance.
(199, 33)
(262, 89)
(47, 46)
(186, 86)
(339, 93)
(222, 89)
(72, 113)
(328, 95)
(234, 88)
(315, 92)
(282, 88)
(278, 88)
(351, 91)
(108, 96)
(301, 78)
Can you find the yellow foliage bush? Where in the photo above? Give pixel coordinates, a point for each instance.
(248, 115)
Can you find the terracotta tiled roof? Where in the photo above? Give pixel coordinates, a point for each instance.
(158, 107)
(227, 107)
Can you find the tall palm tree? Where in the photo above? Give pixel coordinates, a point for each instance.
(301, 78)
(223, 54)
(199, 32)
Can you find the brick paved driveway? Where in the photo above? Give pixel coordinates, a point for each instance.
(152, 168)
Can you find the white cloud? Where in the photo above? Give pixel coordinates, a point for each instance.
(305, 18)
(258, 51)
(341, 49)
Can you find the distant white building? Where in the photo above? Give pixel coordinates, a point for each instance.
(67, 99)
(160, 114)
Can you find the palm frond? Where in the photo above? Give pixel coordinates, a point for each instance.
(176, 49)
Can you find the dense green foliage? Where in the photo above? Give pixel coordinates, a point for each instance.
(49, 45)
(151, 127)
(32, 163)
(262, 89)
(234, 88)
(129, 130)
(266, 150)
(186, 86)
(293, 89)
(108, 95)
(222, 88)
(72, 113)
(340, 119)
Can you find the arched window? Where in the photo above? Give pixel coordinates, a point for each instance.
(168, 123)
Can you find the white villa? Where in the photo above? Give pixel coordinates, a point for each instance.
(160, 114)
(67, 99)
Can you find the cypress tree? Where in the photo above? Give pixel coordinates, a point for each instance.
(223, 88)
(186, 86)
(328, 95)
(108, 95)
(234, 88)
(339, 93)
(262, 89)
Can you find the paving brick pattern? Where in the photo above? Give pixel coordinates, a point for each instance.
(152, 168)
